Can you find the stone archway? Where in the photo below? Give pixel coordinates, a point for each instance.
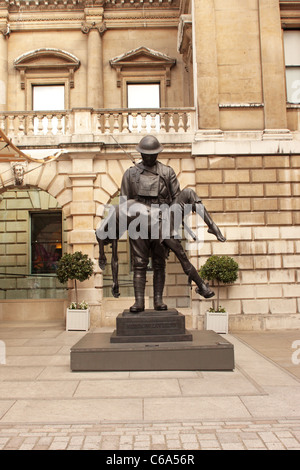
(29, 287)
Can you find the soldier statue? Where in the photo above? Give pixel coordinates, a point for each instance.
(153, 184)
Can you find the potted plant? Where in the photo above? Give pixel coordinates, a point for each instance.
(222, 269)
(77, 267)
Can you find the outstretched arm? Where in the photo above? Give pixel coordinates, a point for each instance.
(115, 269)
(102, 258)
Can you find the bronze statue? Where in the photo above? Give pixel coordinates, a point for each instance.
(146, 188)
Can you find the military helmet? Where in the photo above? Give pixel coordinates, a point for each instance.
(149, 145)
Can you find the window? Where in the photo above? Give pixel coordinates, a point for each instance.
(46, 241)
(143, 96)
(48, 98)
(292, 63)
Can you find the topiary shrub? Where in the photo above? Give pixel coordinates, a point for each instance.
(222, 269)
(75, 266)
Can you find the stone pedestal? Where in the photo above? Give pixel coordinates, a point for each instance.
(207, 351)
(150, 326)
(152, 340)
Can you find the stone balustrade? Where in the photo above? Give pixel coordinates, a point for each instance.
(102, 121)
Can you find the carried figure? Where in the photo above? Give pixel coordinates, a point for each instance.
(152, 185)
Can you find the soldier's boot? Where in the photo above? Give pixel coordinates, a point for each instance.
(139, 282)
(202, 288)
(158, 287)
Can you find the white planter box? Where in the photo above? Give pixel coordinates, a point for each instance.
(78, 319)
(216, 321)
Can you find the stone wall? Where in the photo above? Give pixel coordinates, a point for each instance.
(256, 199)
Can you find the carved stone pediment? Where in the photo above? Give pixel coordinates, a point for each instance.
(46, 59)
(145, 58)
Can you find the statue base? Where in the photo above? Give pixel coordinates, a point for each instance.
(150, 326)
(208, 351)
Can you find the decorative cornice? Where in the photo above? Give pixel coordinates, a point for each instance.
(30, 5)
(143, 3)
(290, 14)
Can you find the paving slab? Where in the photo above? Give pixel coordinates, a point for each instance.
(128, 388)
(35, 389)
(74, 411)
(186, 408)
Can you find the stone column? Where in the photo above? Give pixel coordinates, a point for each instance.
(206, 84)
(4, 35)
(273, 68)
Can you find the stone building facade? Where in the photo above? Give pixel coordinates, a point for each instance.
(226, 78)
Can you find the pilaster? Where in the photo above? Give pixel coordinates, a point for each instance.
(4, 35)
(82, 213)
(205, 64)
(273, 70)
(94, 27)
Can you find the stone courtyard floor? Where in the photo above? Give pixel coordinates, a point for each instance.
(46, 406)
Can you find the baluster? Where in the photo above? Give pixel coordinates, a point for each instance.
(99, 123)
(188, 122)
(143, 119)
(67, 124)
(60, 125)
(180, 123)
(162, 118)
(125, 125)
(171, 123)
(21, 130)
(11, 126)
(134, 122)
(30, 128)
(2, 122)
(48, 123)
(116, 123)
(153, 122)
(106, 124)
(40, 126)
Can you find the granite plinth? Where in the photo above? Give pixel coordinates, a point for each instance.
(207, 351)
(150, 326)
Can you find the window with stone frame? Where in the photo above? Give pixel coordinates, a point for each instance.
(46, 241)
(292, 65)
(46, 67)
(48, 98)
(143, 96)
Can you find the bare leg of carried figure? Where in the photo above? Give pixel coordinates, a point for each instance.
(188, 197)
